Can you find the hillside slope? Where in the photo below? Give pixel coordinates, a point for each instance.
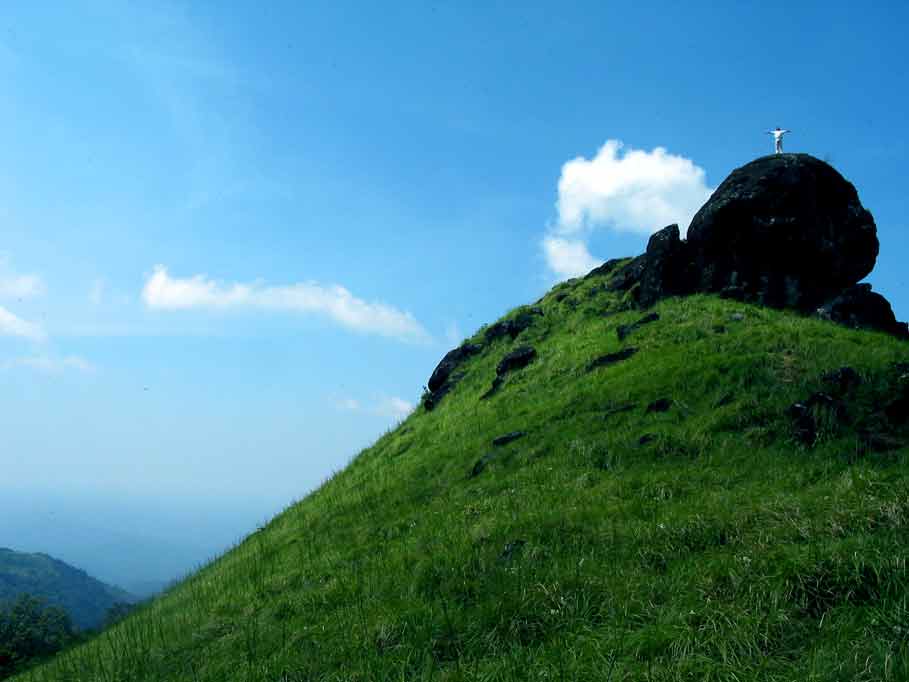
(707, 506)
(84, 598)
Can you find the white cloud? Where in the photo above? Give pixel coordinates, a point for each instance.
(620, 189)
(10, 325)
(333, 301)
(396, 408)
(384, 406)
(568, 257)
(54, 365)
(634, 191)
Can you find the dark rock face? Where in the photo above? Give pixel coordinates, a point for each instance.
(667, 270)
(612, 358)
(516, 359)
(514, 326)
(443, 378)
(804, 416)
(623, 330)
(842, 380)
(788, 229)
(507, 438)
(661, 405)
(450, 363)
(861, 308)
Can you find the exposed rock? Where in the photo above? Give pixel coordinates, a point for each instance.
(452, 360)
(443, 378)
(480, 465)
(518, 358)
(788, 229)
(507, 438)
(805, 426)
(514, 326)
(512, 549)
(623, 330)
(842, 380)
(618, 409)
(667, 267)
(860, 308)
(736, 317)
(612, 358)
(605, 268)
(661, 405)
(628, 275)
(431, 399)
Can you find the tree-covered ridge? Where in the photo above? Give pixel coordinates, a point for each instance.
(84, 598)
(31, 630)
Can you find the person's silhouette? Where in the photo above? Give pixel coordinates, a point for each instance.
(778, 138)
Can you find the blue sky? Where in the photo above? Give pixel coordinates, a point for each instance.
(234, 243)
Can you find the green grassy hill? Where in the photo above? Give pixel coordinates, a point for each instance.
(663, 517)
(84, 598)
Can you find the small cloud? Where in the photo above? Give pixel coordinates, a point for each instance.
(49, 364)
(389, 407)
(11, 325)
(396, 408)
(164, 292)
(623, 190)
(568, 257)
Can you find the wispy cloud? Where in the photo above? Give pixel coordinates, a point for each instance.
(383, 406)
(333, 301)
(624, 190)
(396, 408)
(11, 325)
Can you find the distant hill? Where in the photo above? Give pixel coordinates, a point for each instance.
(84, 598)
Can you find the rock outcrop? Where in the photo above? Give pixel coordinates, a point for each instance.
(786, 231)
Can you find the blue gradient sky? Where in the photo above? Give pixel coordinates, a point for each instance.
(410, 153)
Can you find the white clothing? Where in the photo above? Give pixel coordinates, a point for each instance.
(778, 139)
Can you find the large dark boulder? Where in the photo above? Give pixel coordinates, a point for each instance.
(860, 308)
(786, 230)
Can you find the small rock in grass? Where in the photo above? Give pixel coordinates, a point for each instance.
(618, 409)
(512, 549)
(612, 358)
(661, 405)
(507, 438)
(842, 379)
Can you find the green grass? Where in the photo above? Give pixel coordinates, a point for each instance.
(722, 549)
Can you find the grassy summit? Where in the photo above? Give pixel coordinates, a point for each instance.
(663, 517)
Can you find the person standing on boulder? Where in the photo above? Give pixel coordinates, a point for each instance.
(778, 138)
